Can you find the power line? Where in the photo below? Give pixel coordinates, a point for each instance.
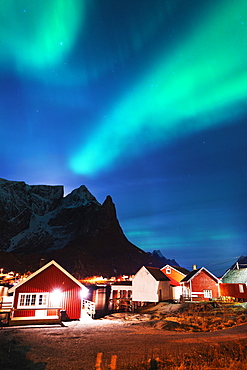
(223, 261)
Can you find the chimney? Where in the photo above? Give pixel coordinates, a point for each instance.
(41, 262)
(194, 267)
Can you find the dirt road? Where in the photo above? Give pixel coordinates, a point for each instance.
(76, 345)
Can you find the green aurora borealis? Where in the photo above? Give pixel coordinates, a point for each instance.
(38, 34)
(191, 83)
(144, 100)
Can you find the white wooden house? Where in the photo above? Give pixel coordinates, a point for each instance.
(150, 285)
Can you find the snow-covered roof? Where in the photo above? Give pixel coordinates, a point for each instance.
(235, 276)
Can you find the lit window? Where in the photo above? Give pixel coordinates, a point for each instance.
(241, 288)
(207, 293)
(22, 300)
(34, 300)
(27, 301)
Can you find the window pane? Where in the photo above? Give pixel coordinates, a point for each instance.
(28, 298)
(33, 300)
(207, 293)
(42, 299)
(22, 299)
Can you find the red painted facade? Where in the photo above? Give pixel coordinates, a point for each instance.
(238, 291)
(201, 282)
(48, 280)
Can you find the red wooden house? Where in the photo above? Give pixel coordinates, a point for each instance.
(234, 284)
(46, 292)
(231, 291)
(200, 284)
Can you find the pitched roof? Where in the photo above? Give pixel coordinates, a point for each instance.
(12, 289)
(240, 264)
(157, 273)
(183, 270)
(235, 276)
(190, 275)
(193, 273)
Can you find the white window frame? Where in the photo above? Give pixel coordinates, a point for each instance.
(33, 300)
(168, 271)
(208, 293)
(241, 288)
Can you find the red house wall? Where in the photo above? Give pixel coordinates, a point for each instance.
(232, 290)
(47, 281)
(203, 281)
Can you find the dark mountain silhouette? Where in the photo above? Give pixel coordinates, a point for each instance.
(163, 260)
(37, 224)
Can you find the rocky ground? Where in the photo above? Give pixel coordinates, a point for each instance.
(195, 317)
(133, 338)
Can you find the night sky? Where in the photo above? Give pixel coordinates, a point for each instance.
(144, 100)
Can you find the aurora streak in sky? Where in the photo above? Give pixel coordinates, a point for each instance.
(142, 100)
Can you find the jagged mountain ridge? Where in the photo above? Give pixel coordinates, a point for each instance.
(37, 221)
(159, 256)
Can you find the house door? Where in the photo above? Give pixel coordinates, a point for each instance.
(160, 295)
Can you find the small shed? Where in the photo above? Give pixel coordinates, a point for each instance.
(200, 284)
(150, 285)
(47, 292)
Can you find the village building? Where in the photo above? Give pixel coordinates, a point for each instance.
(200, 284)
(49, 295)
(234, 284)
(150, 285)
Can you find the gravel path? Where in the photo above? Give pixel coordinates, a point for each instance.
(76, 345)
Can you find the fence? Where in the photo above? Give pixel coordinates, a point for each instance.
(89, 307)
